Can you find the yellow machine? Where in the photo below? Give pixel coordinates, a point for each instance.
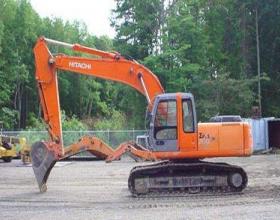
(7, 148)
(11, 147)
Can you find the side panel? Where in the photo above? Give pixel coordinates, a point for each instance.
(231, 137)
(226, 138)
(208, 134)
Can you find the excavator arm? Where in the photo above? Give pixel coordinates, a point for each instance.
(100, 64)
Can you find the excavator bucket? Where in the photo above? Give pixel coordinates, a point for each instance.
(43, 161)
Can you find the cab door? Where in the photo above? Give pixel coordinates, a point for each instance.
(163, 135)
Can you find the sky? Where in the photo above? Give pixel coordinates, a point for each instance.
(94, 13)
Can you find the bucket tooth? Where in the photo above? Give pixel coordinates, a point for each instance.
(43, 161)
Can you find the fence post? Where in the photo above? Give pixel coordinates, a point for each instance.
(108, 136)
(133, 134)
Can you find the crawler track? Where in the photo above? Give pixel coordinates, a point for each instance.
(186, 177)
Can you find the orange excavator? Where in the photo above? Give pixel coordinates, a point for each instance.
(175, 138)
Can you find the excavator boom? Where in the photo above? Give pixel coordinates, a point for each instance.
(109, 66)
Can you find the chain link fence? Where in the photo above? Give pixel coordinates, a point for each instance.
(112, 137)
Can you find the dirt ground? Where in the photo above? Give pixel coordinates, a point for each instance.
(96, 190)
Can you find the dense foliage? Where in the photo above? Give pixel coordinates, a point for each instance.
(199, 46)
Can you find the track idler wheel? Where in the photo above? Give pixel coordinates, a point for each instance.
(237, 180)
(43, 161)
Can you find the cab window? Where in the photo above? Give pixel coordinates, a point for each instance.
(166, 120)
(188, 119)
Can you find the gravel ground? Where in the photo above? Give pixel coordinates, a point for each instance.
(96, 190)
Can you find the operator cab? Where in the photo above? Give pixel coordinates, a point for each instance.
(173, 123)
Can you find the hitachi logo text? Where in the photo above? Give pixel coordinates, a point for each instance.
(80, 65)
